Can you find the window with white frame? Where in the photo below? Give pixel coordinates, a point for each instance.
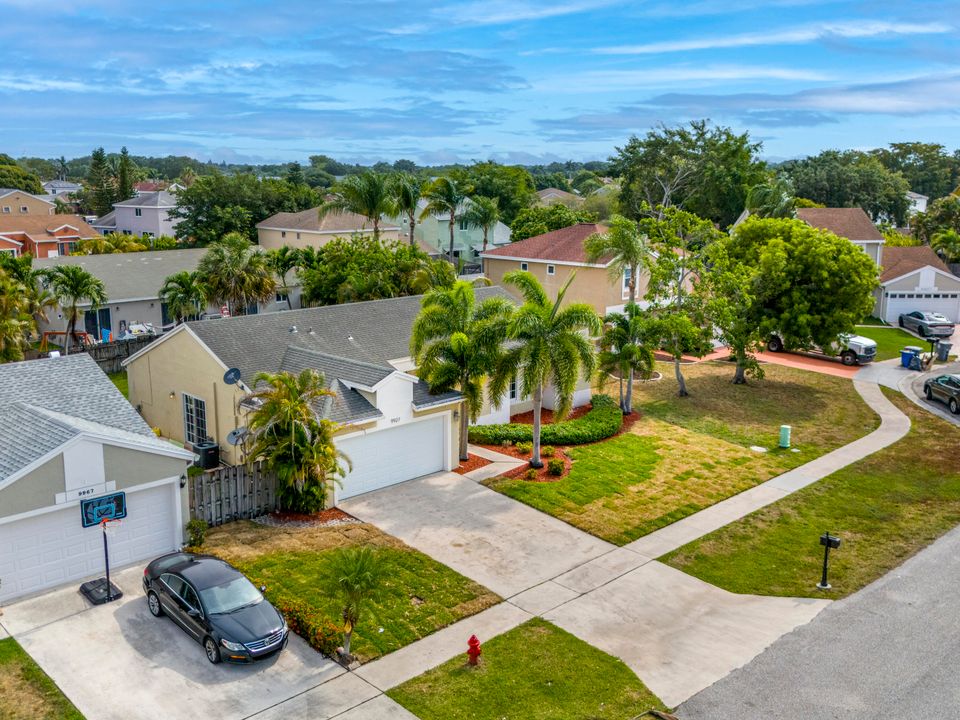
(24, 209)
(551, 270)
(138, 212)
(283, 233)
(513, 389)
(194, 419)
(281, 296)
(12, 252)
(626, 279)
(6, 209)
(523, 266)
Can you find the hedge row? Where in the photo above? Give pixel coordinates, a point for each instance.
(319, 631)
(603, 421)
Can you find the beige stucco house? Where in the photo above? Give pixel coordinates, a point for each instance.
(69, 435)
(18, 202)
(308, 229)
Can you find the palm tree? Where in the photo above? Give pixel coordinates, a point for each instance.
(772, 199)
(947, 245)
(184, 294)
(626, 350)
(287, 432)
(71, 286)
(456, 345)
(406, 190)
(483, 213)
(366, 194)
(15, 321)
(282, 261)
(354, 576)
(444, 195)
(96, 246)
(62, 168)
(627, 248)
(237, 273)
(547, 343)
(38, 299)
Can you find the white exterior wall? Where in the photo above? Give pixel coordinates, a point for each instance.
(152, 221)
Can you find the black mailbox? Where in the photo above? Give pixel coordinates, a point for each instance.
(830, 541)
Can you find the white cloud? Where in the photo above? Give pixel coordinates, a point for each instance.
(795, 36)
(612, 80)
(499, 12)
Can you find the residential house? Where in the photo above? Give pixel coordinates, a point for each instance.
(68, 434)
(43, 236)
(61, 187)
(549, 196)
(432, 233)
(915, 278)
(146, 214)
(851, 223)
(307, 229)
(918, 202)
(18, 202)
(132, 282)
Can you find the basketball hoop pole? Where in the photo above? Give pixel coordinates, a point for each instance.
(106, 557)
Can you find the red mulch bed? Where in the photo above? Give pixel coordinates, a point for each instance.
(330, 516)
(542, 474)
(546, 416)
(473, 463)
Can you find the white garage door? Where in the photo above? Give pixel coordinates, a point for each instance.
(391, 456)
(51, 549)
(944, 303)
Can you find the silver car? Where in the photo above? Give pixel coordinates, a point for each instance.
(927, 324)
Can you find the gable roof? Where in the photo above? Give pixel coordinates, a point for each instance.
(310, 221)
(9, 191)
(41, 227)
(851, 223)
(157, 199)
(552, 193)
(900, 261)
(564, 246)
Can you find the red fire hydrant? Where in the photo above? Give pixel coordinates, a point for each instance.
(473, 649)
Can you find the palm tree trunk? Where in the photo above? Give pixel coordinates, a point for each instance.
(453, 219)
(286, 291)
(71, 328)
(485, 231)
(413, 224)
(628, 405)
(535, 461)
(347, 637)
(620, 373)
(632, 285)
(464, 433)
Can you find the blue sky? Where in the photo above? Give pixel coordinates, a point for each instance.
(513, 80)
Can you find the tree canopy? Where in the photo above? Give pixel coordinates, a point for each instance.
(538, 220)
(15, 177)
(927, 167)
(941, 215)
(511, 185)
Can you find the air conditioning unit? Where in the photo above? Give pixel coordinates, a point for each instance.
(206, 455)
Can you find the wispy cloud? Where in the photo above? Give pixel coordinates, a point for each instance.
(792, 36)
(601, 81)
(500, 12)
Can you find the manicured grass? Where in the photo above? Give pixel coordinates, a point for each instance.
(120, 380)
(26, 693)
(875, 321)
(890, 341)
(696, 453)
(533, 672)
(419, 595)
(885, 508)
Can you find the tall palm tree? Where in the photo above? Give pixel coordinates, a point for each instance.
(547, 343)
(287, 432)
(237, 273)
(282, 260)
(628, 250)
(456, 344)
(354, 576)
(406, 190)
(37, 297)
(772, 199)
(625, 349)
(445, 196)
(484, 213)
(15, 321)
(72, 286)
(184, 294)
(62, 168)
(367, 194)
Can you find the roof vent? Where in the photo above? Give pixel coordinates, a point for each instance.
(293, 328)
(350, 338)
(311, 332)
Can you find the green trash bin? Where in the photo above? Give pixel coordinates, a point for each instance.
(785, 436)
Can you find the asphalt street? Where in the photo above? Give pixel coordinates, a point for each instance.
(891, 650)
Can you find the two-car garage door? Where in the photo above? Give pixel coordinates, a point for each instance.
(946, 303)
(52, 548)
(394, 455)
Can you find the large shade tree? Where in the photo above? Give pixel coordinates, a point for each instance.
(445, 196)
(367, 194)
(549, 343)
(74, 286)
(236, 273)
(456, 344)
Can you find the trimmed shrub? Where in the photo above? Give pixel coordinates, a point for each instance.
(547, 451)
(603, 421)
(525, 447)
(555, 467)
(530, 474)
(196, 532)
(319, 631)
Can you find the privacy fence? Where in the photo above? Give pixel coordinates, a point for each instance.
(233, 492)
(110, 355)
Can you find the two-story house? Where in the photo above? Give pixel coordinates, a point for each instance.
(146, 214)
(64, 188)
(432, 233)
(307, 229)
(42, 235)
(18, 202)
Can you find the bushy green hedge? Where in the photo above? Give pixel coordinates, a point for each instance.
(603, 420)
(321, 633)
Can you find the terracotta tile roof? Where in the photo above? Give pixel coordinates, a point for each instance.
(311, 221)
(564, 245)
(42, 227)
(150, 186)
(900, 261)
(851, 223)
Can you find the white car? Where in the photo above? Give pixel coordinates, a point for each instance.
(851, 349)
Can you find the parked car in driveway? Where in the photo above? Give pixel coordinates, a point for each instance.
(216, 605)
(946, 389)
(851, 349)
(927, 324)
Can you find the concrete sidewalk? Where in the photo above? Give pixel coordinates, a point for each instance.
(500, 464)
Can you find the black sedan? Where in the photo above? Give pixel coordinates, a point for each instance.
(216, 605)
(945, 388)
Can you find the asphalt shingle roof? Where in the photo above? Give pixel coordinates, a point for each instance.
(900, 261)
(851, 223)
(160, 198)
(563, 245)
(310, 221)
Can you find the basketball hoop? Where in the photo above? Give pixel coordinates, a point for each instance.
(111, 526)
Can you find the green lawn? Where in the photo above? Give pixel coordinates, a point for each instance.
(26, 693)
(885, 508)
(120, 380)
(533, 672)
(890, 341)
(686, 454)
(419, 595)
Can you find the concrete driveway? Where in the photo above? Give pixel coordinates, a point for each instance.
(502, 544)
(118, 662)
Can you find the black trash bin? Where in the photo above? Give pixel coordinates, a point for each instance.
(943, 350)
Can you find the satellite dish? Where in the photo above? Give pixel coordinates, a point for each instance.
(232, 376)
(235, 437)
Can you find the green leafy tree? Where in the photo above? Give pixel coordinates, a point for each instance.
(125, 173)
(15, 177)
(237, 273)
(367, 194)
(927, 167)
(538, 220)
(102, 192)
(456, 344)
(511, 185)
(445, 196)
(72, 286)
(625, 247)
(294, 442)
(947, 245)
(184, 294)
(15, 320)
(483, 213)
(679, 332)
(355, 577)
(283, 261)
(548, 343)
(772, 198)
(406, 190)
(625, 350)
(941, 215)
(544, 180)
(895, 238)
(295, 174)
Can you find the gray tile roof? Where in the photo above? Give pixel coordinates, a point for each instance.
(297, 359)
(106, 221)
(157, 199)
(27, 436)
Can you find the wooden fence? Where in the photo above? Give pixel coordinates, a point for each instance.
(110, 355)
(233, 492)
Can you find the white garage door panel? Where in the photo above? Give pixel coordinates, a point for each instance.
(896, 306)
(392, 456)
(46, 550)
